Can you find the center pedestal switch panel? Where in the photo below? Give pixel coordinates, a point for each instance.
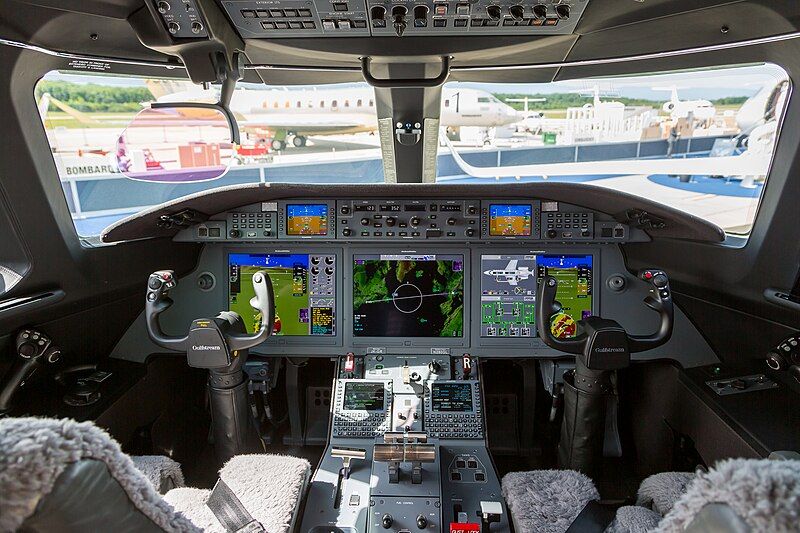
(344, 18)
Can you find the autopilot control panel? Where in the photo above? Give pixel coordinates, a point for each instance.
(406, 449)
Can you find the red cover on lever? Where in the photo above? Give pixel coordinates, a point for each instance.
(457, 527)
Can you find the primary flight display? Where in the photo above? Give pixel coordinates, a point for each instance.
(304, 286)
(408, 295)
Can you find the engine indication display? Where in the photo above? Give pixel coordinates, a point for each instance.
(408, 296)
(508, 295)
(451, 397)
(307, 219)
(574, 276)
(304, 286)
(363, 396)
(510, 220)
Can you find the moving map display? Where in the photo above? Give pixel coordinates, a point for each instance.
(408, 296)
(510, 220)
(306, 219)
(304, 291)
(574, 292)
(364, 396)
(508, 295)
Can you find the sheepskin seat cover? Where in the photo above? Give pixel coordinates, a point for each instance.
(163, 472)
(546, 501)
(269, 487)
(763, 492)
(35, 451)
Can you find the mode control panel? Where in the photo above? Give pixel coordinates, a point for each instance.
(352, 18)
(408, 219)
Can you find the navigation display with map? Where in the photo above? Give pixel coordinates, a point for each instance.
(304, 286)
(574, 276)
(408, 296)
(510, 220)
(508, 295)
(306, 219)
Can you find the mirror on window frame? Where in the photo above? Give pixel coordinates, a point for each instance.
(178, 143)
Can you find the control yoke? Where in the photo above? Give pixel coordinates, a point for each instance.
(605, 344)
(208, 334)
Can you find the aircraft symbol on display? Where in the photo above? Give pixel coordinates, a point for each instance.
(511, 274)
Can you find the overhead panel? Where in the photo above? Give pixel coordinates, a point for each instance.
(345, 18)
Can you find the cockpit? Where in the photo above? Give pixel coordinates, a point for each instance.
(355, 266)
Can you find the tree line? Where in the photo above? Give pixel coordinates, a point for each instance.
(90, 97)
(554, 101)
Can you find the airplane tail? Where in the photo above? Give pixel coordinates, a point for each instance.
(159, 88)
(48, 99)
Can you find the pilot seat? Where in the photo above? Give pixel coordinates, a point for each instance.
(63, 475)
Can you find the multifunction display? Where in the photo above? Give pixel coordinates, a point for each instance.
(408, 295)
(513, 220)
(451, 397)
(304, 285)
(306, 219)
(508, 295)
(574, 292)
(363, 396)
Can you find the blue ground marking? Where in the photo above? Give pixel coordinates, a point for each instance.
(709, 185)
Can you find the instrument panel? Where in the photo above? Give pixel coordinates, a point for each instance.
(396, 220)
(421, 292)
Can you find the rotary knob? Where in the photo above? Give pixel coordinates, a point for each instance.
(365, 221)
(451, 221)
(347, 232)
(391, 221)
(415, 221)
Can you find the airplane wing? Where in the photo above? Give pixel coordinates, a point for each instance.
(512, 264)
(747, 164)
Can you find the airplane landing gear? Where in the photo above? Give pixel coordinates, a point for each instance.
(298, 141)
(278, 145)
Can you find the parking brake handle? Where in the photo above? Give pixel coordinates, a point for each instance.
(157, 301)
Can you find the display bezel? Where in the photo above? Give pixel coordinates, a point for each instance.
(403, 344)
(283, 219)
(290, 340)
(529, 343)
(536, 220)
(357, 383)
(470, 384)
(316, 204)
(531, 223)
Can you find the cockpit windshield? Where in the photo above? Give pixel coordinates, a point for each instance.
(700, 141)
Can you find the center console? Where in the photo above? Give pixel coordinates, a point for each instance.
(406, 450)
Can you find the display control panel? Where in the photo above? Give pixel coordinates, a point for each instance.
(352, 18)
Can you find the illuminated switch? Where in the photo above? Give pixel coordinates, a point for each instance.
(290, 12)
(460, 23)
(462, 9)
(296, 25)
(344, 25)
(349, 363)
(440, 9)
(281, 25)
(550, 22)
(340, 6)
(304, 12)
(439, 23)
(328, 25)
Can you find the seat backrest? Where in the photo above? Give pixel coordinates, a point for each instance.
(62, 475)
(739, 495)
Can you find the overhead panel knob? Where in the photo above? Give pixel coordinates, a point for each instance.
(493, 12)
(539, 11)
(517, 12)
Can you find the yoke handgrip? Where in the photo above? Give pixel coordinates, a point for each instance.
(660, 302)
(263, 301)
(546, 307)
(156, 302)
